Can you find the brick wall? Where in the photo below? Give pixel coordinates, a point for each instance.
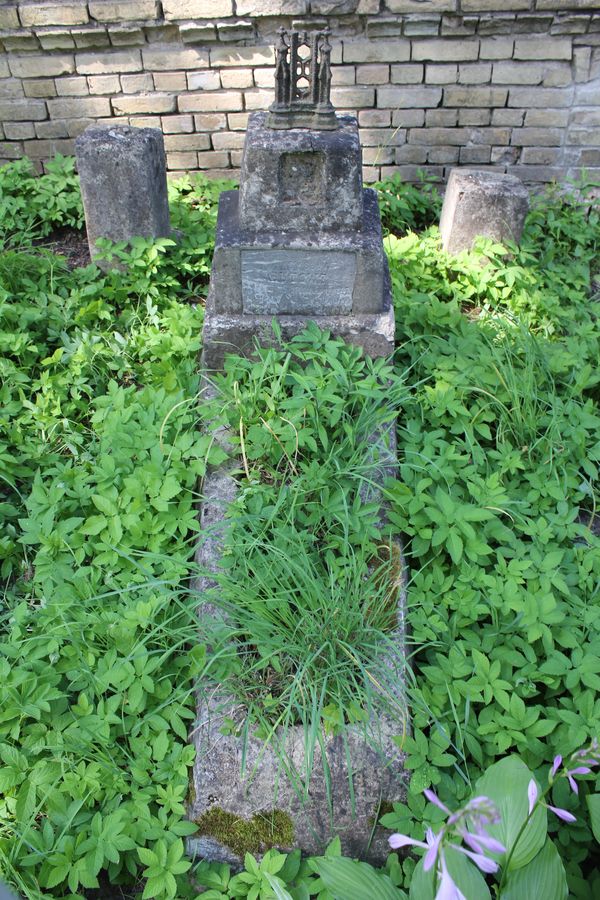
(435, 83)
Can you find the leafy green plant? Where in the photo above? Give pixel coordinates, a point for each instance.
(408, 207)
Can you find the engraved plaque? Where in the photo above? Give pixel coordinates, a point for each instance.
(298, 282)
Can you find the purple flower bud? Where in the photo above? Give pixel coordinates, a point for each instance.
(482, 862)
(481, 842)
(532, 793)
(580, 770)
(562, 813)
(433, 798)
(555, 765)
(573, 783)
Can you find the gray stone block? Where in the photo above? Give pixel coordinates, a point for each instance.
(327, 273)
(482, 204)
(301, 179)
(123, 184)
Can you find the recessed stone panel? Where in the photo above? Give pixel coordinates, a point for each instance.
(298, 282)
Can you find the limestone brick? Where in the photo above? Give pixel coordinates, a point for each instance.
(22, 110)
(543, 47)
(557, 75)
(214, 121)
(513, 117)
(474, 116)
(126, 36)
(382, 137)
(75, 127)
(213, 159)
(474, 155)
(4, 70)
(421, 26)
(445, 155)
(48, 149)
(474, 73)
(532, 137)
(91, 38)
(79, 107)
(104, 84)
(408, 73)
(373, 74)
(228, 140)
(517, 73)
(340, 75)
(376, 51)
(182, 160)
(170, 81)
(9, 18)
(408, 97)
(420, 6)
(496, 48)
(560, 4)
(39, 87)
(19, 131)
(446, 118)
(353, 97)
(542, 97)
(55, 39)
(368, 7)
(213, 101)
(564, 23)
(159, 59)
(134, 84)
(258, 98)
(53, 14)
(374, 118)
(235, 31)
(114, 61)
(262, 77)
(474, 96)
(191, 33)
(408, 118)
(242, 56)
(177, 124)
(131, 105)
(198, 9)
(378, 155)
(492, 5)
(378, 28)
(445, 50)
(184, 142)
(123, 10)
(236, 121)
(544, 156)
(11, 151)
(242, 78)
(41, 66)
(270, 7)
(72, 87)
(462, 26)
(11, 88)
(445, 74)
(411, 153)
(208, 80)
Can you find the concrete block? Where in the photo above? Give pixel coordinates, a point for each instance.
(482, 203)
(123, 184)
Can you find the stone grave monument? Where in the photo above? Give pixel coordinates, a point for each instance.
(482, 204)
(299, 242)
(301, 239)
(123, 184)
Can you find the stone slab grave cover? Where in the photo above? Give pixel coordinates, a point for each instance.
(299, 242)
(482, 204)
(123, 184)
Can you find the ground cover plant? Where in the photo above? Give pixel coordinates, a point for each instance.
(498, 383)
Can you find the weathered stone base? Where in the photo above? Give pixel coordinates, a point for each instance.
(238, 333)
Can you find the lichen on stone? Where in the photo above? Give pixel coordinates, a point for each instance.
(256, 835)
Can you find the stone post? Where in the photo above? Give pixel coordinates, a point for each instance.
(482, 204)
(123, 184)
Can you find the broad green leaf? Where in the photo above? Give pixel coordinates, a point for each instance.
(465, 875)
(593, 802)
(506, 783)
(279, 892)
(543, 877)
(347, 879)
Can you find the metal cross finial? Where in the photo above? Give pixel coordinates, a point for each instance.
(303, 81)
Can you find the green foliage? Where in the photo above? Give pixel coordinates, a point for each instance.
(31, 206)
(408, 207)
(309, 587)
(498, 486)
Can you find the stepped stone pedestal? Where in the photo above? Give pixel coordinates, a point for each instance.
(299, 242)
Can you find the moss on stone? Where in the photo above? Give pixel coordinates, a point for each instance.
(256, 835)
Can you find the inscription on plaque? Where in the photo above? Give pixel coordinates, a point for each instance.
(298, 282)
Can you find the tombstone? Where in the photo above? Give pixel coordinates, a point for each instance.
(299, 242)
(482, 204)
(123, 185)
(301, 239)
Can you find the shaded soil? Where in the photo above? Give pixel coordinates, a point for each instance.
(69, 243)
